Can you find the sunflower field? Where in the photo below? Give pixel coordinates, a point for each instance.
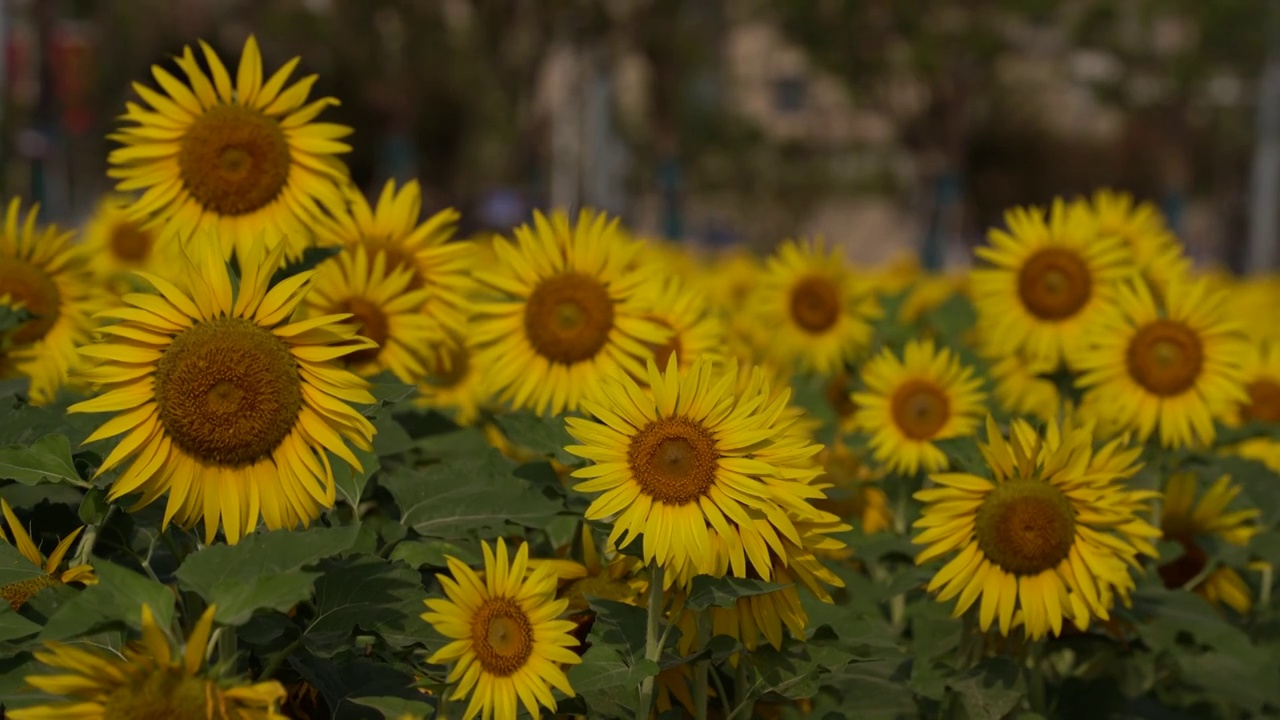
(273, 450)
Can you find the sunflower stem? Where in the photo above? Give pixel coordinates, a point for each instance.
(702, 667)
(89, 539)
(724, 696)
(227, 646)
(1036, 689)
(741, 693)
(652, 641)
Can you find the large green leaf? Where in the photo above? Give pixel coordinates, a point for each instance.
(350, 481)
(463, 496)
(117, 597)
(264, 570)
(46, 460)
(543, 435)
(15, 568)
(14, 626)
(342, 680)
(363, 591)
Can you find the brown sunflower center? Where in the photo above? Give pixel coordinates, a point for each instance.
(1165, 357)
(920, 409)
(674, 460)
(455, 372)
(1264, 401)
(38, 294)
(129, 242)
(838, 395)
(568, 318)
(1054, 284)
(18, 593)
(501, 636)
(228, 391)
(815, 304)
(373, 325)
(1179, 572)
(162, 694)
(1026, 526)
(662, 352)
(234, 160)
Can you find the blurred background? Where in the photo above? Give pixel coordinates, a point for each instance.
(887, 126)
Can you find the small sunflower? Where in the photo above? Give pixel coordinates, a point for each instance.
(244, 159)
(18, 593)
(1188, 521)
(1036, 539)
(1260, 370)
(45, 276)
(1049, 280)
(120, 245)
(440, 267)
(377, 295)
(693, 329)
(507, 644)
(223, 402)
(456, 383)
(1156, 251)
(910, 403)
(567, 313)
(854, 490)
(815, 311)
(152, 679)
(1174, 372)
(687, 458)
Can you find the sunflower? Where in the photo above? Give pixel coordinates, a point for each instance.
(152, 679)
(910, 403)
(376, 294)
(456, 383)
(693, 329)
(1188, 522)
(1260, 371)
(506, 644)
(242, 159)
(816, 312)
(687, 458)
(1174, 371)
(855, 491)
(1021, 386)
(120, 245)
(18, 593)
(1049, 281)
(1252, 297)
(225, 403)
(567, 312)
(440, 268)
(1156, 252)
(43, 275)
(763, 617)
(1037, 538)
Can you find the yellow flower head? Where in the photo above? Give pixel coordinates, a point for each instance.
(243, 159)
(1187, 521)
(150, 680)
(1156, 251)
(120, 245)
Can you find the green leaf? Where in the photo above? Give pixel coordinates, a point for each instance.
(94, 506)
(342, 681)
(350, 481)
(46, 460)
(607, 682)
(467, 495)
(364, 591)
(14, 567)
(118, 596)
(263, 570)
(544, 435)
(431, 553)
(14, 626)
(991, 690)
(708, 591)
(15, 693)
(394, 708)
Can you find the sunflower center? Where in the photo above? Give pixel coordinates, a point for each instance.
(662, 352)
(162, 694)
(18, 593)
(129, 242)
(674, 460)
(920, 409)
(838, 395)
(35, 291)
(456, 372)
(1026, 526)
(373, 325)
(1264, 401)
(234, 160)
(1165, 357)
(568, 318)
(815, 304)
(1179, 572)
(1054, 284)
(228, 391)
(502, 636)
